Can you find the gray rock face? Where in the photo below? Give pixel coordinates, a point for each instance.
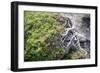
(81, 24)
(70, 40)
(76, 35)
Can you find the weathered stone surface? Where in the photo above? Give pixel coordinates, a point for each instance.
(71, 38)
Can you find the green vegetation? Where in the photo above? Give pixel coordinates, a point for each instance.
(39, 30)
(40, 26)
(76, 54)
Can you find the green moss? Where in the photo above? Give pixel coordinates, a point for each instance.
(39, 26)
(76, 54)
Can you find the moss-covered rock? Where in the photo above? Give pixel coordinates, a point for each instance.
(76, 54)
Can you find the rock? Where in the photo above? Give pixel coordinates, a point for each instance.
(68, 23)
(70, 40)
(79, 54)
(65, 21)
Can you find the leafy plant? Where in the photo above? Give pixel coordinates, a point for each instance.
(39, 26)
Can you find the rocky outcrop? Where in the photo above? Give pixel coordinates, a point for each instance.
(71, 39)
